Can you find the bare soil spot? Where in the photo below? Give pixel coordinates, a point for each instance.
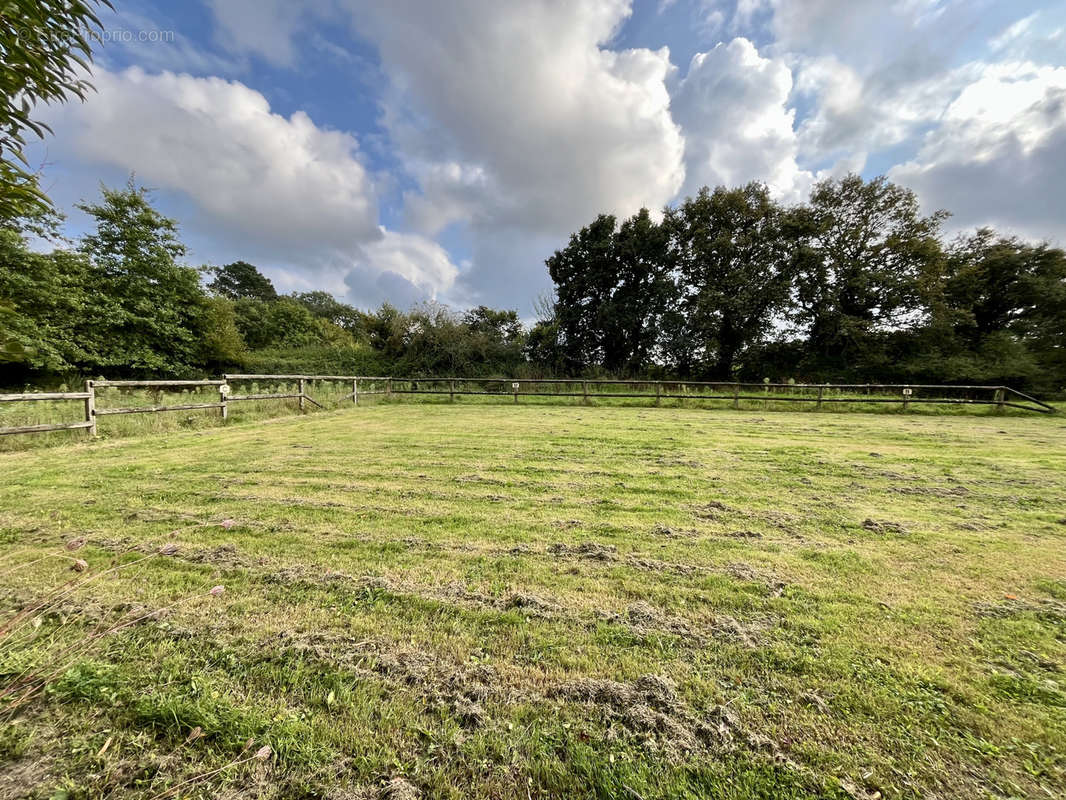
(884, 527)
(592, 551)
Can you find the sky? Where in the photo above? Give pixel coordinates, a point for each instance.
(442, 149)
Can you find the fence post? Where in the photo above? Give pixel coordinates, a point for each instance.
(222, 401)
(355, 391)
(388, 387)
(906, 396)
(451, 391)
(658, 392)
(514, 386)
(819, 406)
(999, 398)
(90, 407)
(301, 394)
(585, 392)
(736, 396)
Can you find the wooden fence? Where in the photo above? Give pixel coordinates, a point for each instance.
(818, 393)
(587, 389)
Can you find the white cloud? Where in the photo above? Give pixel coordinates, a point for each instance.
(999, 157)
(732, 106)
(517, 117)
(292, 196)
(277, 178)
(419, 262)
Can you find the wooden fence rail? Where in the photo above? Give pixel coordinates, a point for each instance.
(819, 393)
(515, 388)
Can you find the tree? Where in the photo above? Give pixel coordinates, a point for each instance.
(584, 273)
(873, 247)
(1004, 300)
(612, 289)
(282, 323)
(241, 280)
(495, 340)
(45, 47)
(145, 312)
(43, 295)
(222, 345)
(325, 306)
(633, 319)
(737, 253)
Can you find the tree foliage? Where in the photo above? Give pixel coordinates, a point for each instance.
(242, 281)
(45, 48)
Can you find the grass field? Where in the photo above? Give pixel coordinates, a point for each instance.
(498, 601)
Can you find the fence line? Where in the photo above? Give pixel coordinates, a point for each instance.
(674, 390)
(1001, 396)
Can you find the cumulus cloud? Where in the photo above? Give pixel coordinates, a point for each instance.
(999, 157)
(294, 196)
(403, 268)
(217, 141)
(733, 108)
(519, 117)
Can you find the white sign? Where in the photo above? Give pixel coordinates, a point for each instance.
(514, 386)
(908, 392)
(223, 389)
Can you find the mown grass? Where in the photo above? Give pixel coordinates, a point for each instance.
(482, 600)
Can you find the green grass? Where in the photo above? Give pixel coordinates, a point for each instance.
(490, 601)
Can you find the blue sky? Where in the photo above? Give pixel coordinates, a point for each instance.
(442, 149)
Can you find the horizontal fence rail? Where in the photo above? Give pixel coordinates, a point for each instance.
(818, 393)
(589, 389)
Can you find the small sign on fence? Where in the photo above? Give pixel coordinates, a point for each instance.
(908, 392)
(515, 386)
(223, 389)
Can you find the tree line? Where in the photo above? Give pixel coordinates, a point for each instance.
(853, 285)
(120, 303)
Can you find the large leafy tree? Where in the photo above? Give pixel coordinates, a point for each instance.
(43, 305)
(1002, 302)
(146, 312)
(737, 252)
(327, 307)
(873, 249)
(612, 290)
(240, 281)
(585, 274)
(45, 50)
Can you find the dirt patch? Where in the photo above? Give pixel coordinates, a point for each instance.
(652, 710)
(567, 524)
(667, 532)
(655, 565)
(528, 602)
(884, 527)
(930, 491)
(591, 551)
(643, 620)
(1050, 610)
(710, 510)
(225, 555)
(400, 789)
